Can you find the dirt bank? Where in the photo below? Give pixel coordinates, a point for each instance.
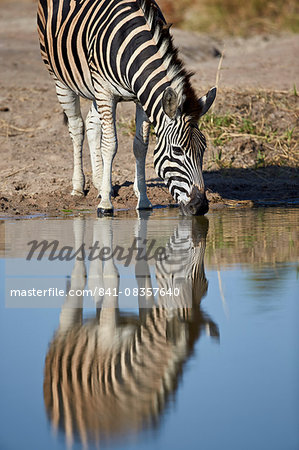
(252, 156)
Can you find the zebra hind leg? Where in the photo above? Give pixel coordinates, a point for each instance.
(70, 103)
(93, 132)
(140, 149)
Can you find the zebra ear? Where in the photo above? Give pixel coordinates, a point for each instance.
(170, 102)
(207, 100)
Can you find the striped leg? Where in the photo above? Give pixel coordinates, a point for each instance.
(70, 103)
(140, 149)
(93, 131)
(106, 106)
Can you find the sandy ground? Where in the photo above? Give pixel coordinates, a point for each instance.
(36, 151)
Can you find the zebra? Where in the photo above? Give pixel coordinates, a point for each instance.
(120, 50)
(112, 374)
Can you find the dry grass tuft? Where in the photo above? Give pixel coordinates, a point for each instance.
(9, 130)
(253, 130)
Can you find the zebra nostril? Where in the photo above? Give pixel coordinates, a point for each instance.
(198, 205)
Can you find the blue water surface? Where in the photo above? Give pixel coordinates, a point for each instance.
(237, 391)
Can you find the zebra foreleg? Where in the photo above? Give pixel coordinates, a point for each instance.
(140, 149)
(106, 109)
(70, 103)
(93, 131)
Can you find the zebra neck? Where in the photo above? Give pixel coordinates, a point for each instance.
(148, 81)
(156, 116)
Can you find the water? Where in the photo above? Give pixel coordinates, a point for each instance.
(209, 362)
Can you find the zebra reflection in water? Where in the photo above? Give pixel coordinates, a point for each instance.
(112, 375)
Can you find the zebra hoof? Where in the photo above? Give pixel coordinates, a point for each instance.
(102, 212)
(146, 205)
(77, 193)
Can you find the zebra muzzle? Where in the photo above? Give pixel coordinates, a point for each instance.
(198, 204)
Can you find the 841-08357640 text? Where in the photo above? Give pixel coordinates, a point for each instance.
(127, 292)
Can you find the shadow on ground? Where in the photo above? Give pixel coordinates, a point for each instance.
(273, 184)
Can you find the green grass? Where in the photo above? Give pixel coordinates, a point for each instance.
(266, 119)
(221, 129)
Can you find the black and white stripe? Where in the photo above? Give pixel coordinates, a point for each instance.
(110, 51)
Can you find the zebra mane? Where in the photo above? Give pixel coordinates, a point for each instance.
(180, 77)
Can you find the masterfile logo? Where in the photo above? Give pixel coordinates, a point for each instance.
(95, 262)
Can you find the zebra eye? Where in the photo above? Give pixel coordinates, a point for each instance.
(177, 151)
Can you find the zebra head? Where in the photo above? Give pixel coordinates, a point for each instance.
(179, 153)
